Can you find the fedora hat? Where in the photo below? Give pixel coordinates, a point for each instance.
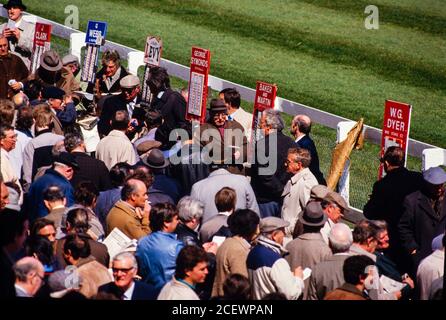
(217, 106)
(14, 3)
(155, 159)
(313, 215)
(50, 61)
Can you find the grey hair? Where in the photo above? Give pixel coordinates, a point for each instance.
(381, 225)
(190, 208)
(22, 269)
(273, 119)
(126, 255)
(72, 141)
(340, 238)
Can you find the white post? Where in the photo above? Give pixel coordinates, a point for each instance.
(135, 59)
(433, 157)
(343, 129)
(77, 42)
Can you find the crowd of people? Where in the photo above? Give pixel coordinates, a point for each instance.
(208, 220)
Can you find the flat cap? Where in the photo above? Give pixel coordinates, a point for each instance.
(336, 198)
(129, 81)
(146, 146)
(53, 93)
(69, 58)
(319, 192)
(269, 224)
(435, 175)
(67, 159)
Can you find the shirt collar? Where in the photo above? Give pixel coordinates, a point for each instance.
(186, 283)
(127, 295)
(300, 138)
(225, 213)
(160, 94)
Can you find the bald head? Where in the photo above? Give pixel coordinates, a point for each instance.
(300, 125)
(29, 274)
(340, 238)
(134, 192)
(20, 100)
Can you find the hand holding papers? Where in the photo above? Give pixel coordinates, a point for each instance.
(117, 242)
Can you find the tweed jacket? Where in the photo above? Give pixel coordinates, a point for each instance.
(123, 217)
(231, 258)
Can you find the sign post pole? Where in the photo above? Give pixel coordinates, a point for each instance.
(264, 99)
(395, 130)
(198, 84)
(94, 39)
(42, 43)
(152, 58)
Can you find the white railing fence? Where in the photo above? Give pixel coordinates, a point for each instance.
(431, 155)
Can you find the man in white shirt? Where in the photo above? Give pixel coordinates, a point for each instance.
(116, 147)
(231, 97)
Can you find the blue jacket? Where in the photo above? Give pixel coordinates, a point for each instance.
(35, 204)
(157, 254)
(105, 202)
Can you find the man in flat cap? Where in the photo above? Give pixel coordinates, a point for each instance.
(128, 100)
(61, 105)
(71, 63)
(334, 207)
(19, 32)
(268, 271)
(60, 175)
(219, 134)
(424, 216)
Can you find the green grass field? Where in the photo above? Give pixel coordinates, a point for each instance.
(317, 51)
